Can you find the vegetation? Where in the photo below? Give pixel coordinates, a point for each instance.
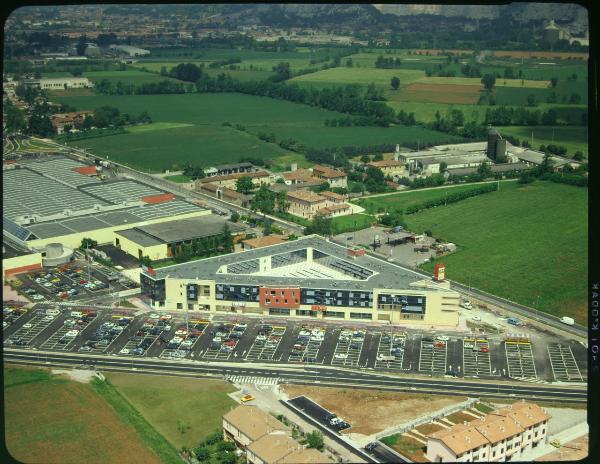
(314, 439)
(521, 223)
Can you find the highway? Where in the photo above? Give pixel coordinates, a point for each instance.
(315, 375)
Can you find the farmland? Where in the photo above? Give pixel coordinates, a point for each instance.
(537, 84)
(574, 138)
(201, 138)
(184, 411)
(130, 76)
(43, 414)
(363, 76)
(402, 200)
(441, 93)
(511, 244)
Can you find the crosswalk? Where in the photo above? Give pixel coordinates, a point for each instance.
(248, 379)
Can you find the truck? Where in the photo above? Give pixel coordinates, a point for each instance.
(567, 320)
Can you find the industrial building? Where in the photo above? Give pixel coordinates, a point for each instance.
(54, 199)
(129, 50)
(164, 240)
(310, 277)
(59, 83)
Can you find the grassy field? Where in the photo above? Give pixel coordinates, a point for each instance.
(182, 410)
(525, 243)
(574, 138)
(363, 76)
(189, 128)
(440, 93)
(179, 178)
(352, 222)
(403, 200)
(130, 76)
(538, 84)
(51, 419)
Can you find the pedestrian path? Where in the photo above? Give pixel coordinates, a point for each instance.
(248, 379)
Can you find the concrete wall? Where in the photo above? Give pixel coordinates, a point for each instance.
(154, 252)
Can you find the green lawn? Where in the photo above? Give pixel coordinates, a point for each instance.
(179, 178)
(574, 138)
(403, 200)
(47, 418)
(525, 243)
(352, 222)
(183, 410)
(155, 126)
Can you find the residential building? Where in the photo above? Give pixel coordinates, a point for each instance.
(300, 176)
(230, 180)
(500, 436)
(246, 424)
(73, 119)
(335, 177)
(307, 204)
(393, 168)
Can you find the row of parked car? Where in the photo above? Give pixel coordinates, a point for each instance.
(226, 336)
(11, 314)
(105, 334)
(307, 337)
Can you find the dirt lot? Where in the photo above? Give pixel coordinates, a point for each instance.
(441, 93)
(371, 411)
(567, 451)
(437, 51)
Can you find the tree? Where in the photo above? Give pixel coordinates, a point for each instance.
(553, 82)
(235, 217)
(443, 166)
(508, 73)
(15, 120)
(202, 453)
(484, 170)
(227, 239)
(87, 243)
(314, 439)
(267, 227)
(320, 225)
(145, 260)
(378, 157)
(263, 200)
(531, 100)
(578, 156)
(395, 83)
(365, 159)
(81, 45)
(282, 71)
(575, 99)
(281, 201)
(349, 63)
(244, 184)
(488, 81)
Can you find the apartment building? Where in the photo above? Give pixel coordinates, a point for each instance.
(307, 204)
(500, 436)
(391, 167)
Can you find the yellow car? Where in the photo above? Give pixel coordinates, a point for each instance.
(247, 398)
(555, 443)
(55, 280)
(17, 283)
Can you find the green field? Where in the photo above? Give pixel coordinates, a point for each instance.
(574, 138)
(48, 418)
(525, 243)
(477, 81)
(130, 76)
(403, 200)
(184, 411)
(364, 76)
(201, 138)
(179, 178)
(352, 222)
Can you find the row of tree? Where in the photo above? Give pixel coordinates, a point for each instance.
(451, 198)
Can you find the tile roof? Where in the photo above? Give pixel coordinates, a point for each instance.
(328, 172)
(496, 428)
(335, 196)
(386, 164)
(305, 195)
(273, 447)
(253, 422)
(305, 456)
(298, 174)
(264, 241)
(526, 414)
(460, 438)
(333, 208)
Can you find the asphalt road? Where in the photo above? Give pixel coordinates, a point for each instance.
(314, 376)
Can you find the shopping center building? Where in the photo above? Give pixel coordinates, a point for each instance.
(310, 277)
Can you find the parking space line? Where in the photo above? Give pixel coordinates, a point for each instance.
(349, 347)
(562, 361)
(519, 357)
(390, 351)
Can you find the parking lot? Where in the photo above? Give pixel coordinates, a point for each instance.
(349, 347)
(70, 282)
(252, 340)
(11, 314)
(476, 357)
(519, 357)
(321, 415)
(562, 361)
(390, 351)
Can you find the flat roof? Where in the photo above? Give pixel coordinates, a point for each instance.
(139, 237)
(382, 275)
(188, 229)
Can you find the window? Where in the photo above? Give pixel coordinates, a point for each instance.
(190, 306)
(179, 305)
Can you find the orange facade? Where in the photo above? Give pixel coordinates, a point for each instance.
(279, 297)
(159, 198)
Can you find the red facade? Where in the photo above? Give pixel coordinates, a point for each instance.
(279, 297)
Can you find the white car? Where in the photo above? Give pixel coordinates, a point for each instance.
(475, 318)
(29, 325)
(261, 337)
(467, 305)
(167, 328)
(72, 333)
(468, 345)
(124, 351)
(442, 338)
(154, 316)
(4, 324)
(38, 297)
(340, 356)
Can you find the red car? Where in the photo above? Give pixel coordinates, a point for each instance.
(229, 343)
(439, 344)
(83, 281)
(484, 349)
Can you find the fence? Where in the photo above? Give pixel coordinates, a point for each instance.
(428, 418)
